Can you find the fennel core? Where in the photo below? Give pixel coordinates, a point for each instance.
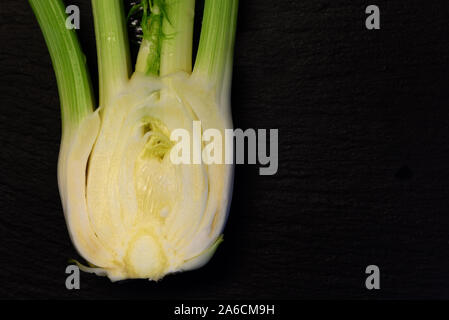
(133, 213)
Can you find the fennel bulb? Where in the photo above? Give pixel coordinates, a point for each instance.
(130, 211)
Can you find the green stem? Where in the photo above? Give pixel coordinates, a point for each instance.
(215, 51)
(148, 59)
(167, 37)
(114, 63)
(176, 54)
(69, 63)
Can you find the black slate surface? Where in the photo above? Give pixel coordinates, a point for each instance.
(363, 119)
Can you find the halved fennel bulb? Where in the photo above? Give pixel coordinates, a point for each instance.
(131, 211)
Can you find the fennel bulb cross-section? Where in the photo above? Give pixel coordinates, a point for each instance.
(131, 211)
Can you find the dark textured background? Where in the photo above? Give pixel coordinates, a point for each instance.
(363, 120)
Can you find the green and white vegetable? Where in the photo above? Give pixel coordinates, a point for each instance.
(131, 212)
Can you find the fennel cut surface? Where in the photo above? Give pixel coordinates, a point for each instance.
(130, 210)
